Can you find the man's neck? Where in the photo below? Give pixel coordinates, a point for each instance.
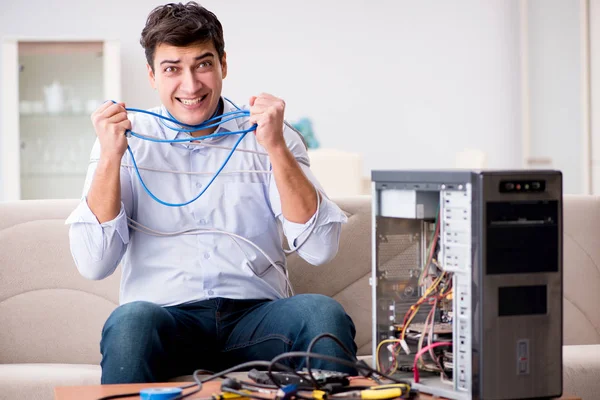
(218, 112)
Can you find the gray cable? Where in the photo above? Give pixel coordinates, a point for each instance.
(283, 271)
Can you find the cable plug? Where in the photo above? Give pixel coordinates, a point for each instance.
(333, 388)
(287, 392)
(230, 383)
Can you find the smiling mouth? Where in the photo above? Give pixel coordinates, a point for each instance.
(191, 102)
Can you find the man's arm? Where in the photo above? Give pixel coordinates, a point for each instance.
(293, 191)
(99, 234)
(104, 198)
(297, 193)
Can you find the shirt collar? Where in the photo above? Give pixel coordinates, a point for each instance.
(227, 126)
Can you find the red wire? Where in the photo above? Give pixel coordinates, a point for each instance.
(423, 351)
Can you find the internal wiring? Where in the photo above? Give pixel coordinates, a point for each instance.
(421, 352)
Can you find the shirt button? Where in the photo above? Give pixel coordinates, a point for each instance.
(198, 185)
(210, 292)
(202, 221)
(207, 255)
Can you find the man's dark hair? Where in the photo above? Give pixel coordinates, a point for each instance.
(181, 25)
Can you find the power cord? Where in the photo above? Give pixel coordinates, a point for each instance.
(314, 342)
(223, 374)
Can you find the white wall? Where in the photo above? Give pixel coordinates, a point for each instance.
(406, 83)
(557, 110)
(595, 92)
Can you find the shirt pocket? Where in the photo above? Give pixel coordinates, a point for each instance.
(247, 210)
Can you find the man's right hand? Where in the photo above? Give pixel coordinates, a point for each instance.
(110, 122)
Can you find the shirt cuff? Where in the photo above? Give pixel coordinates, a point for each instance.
(83, 215)
(328, 212)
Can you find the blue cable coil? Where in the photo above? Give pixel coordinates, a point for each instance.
(160, 393)
(212, 122)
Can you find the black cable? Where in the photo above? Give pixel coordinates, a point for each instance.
(314, 342)
(235, 386)
(119, 396)
(249, 364)
(360, 366)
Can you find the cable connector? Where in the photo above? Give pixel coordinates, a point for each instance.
(405, 346)
(287, 392)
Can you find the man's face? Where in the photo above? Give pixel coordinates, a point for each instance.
(189, 80)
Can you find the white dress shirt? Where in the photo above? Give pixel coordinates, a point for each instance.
(243, 200)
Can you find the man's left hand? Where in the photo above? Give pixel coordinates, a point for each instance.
(267, 111)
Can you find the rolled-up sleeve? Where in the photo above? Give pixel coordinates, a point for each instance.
(319, 237)
(97, 248)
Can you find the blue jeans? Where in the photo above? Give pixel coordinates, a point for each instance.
(144, 342)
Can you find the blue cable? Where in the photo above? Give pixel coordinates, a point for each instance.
(207, 126)
(217, 119)
(155, 140)
(137, 171)
(203, 125)
(213, 118)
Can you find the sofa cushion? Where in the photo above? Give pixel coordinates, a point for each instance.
(52, 326)
(37, 381)
(49, 313)
(581, 369)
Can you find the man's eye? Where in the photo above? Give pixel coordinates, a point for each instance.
(204, 64)
(170, 69)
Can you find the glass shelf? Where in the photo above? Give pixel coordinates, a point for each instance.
(55, 86)
(61, 115)
(77, 174)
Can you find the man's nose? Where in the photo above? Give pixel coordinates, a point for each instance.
(190, 83)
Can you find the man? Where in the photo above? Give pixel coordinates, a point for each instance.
(192, 294)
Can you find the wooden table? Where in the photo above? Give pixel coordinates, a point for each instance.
(94, 392)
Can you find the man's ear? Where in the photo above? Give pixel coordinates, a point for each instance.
(151, 76)
(224, 65)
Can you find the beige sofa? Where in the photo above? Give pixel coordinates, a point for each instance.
(51, 317)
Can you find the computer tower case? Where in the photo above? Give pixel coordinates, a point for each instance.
(467, 275)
